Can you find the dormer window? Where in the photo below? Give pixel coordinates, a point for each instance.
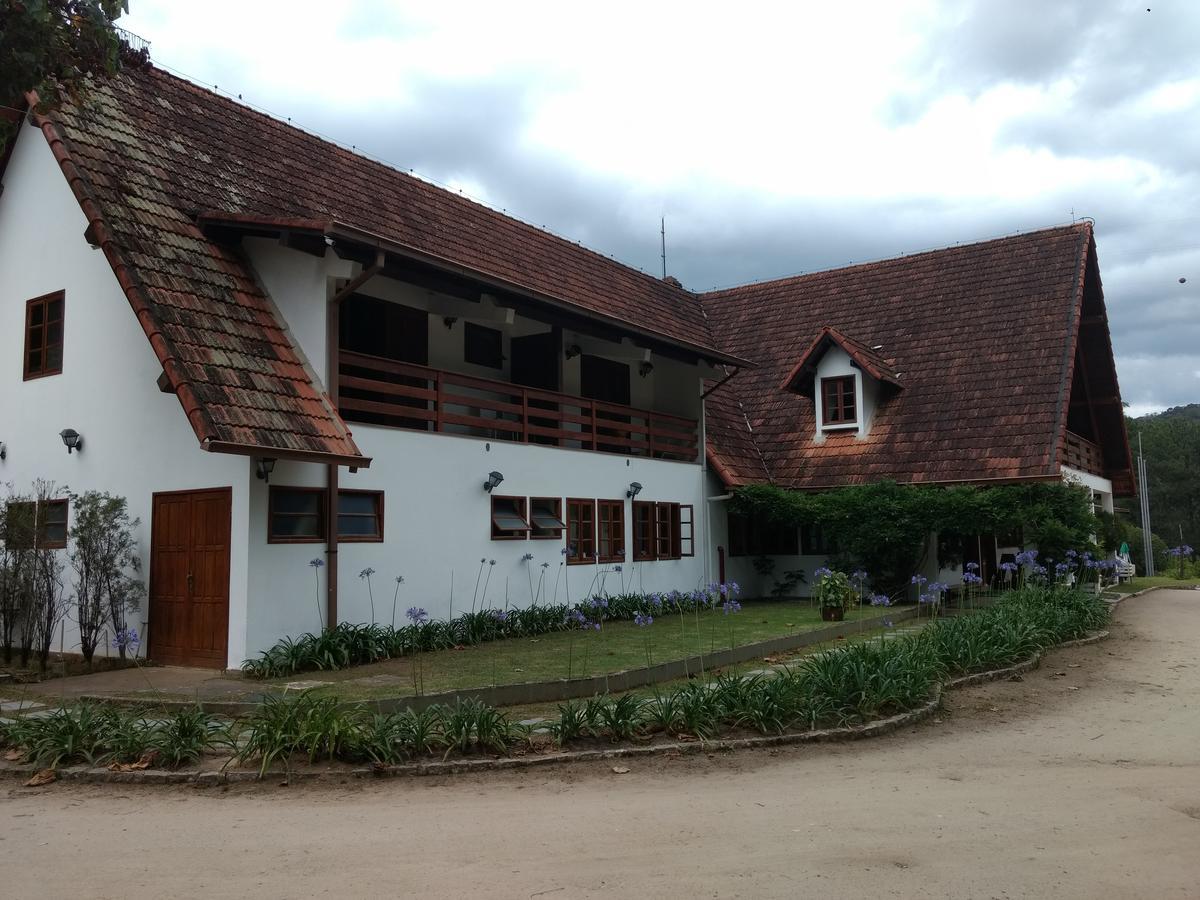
(839, 407)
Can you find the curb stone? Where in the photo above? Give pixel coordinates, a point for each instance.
(873, 729)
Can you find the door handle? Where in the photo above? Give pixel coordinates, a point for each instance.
(191, 583)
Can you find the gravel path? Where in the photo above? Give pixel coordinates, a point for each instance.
(1082, 780)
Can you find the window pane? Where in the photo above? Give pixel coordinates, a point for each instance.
(307, 502)
(357, 526)
(54, 512)
(37, 314)
(35, 361)
(56, 310)
(296, 526)
(547, 521)
(35, 338)
(54, 357)
(358, 504)
(508, 522)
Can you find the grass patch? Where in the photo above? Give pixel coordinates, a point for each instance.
(1140, 584)
(618, 646)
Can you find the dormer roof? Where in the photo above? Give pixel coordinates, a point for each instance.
(864, 356)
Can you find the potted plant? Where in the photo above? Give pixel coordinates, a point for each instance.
(832, 594)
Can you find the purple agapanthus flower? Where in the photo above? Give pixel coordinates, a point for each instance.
(880, 600)
(730, 606)
(575, 617)
(126, 638)
(1061, 568)
(971, 578)
(972, 567)
(316, 563)
(500, 615)
(366, 573)
(527, 557)
(417, 615)
(641, 621)
(1008, 567)
(822, 571)
(920, 579)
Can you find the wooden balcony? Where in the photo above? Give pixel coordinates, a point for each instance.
(1083, 455)
(378, 391)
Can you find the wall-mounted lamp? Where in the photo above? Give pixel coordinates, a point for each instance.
(3, 450)
(71, 439)
(635, 488)
(493, 480)
(645, 368)
(449, 321)
(263, 467)
(572, 351)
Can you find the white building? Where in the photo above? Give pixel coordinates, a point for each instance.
(499, 413)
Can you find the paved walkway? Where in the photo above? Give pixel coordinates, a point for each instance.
(1080, 781)
(174, 681)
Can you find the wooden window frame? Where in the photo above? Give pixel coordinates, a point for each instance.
(43, 542)
(613, 528)
(687, 530)
(274, 491)
(835, 416)
(650, 508)
(550, 534)
(377, 537)
(666, 531)
(585, 550)
(44, 371)
(516, 534)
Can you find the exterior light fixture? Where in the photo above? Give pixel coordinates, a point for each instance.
(493, 480)
(3, 450)
(263, 467)
(449, 321)
(71, 439)
(645, 368)
(635, 488)
(572, 351)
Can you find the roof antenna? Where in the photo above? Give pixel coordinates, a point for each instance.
(663, 228)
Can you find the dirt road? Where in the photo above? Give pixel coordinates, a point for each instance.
(1083, 780)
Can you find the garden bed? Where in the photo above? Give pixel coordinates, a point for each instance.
(851, 687)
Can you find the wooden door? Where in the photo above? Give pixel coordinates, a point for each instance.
(189, 578)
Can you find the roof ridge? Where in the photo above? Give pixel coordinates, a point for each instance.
(353, 150)
(783, 279)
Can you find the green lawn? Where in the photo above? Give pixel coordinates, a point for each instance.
(616, 647)
(1139, 584)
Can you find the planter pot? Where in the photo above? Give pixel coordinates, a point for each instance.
(832, 613)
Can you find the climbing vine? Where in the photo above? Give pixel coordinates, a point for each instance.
(884, 526)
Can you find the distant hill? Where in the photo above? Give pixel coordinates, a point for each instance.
(1191, 411)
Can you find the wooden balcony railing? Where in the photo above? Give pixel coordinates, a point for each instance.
(1084, 455)
(379, 391)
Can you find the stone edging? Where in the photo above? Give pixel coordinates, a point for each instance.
(876, 728)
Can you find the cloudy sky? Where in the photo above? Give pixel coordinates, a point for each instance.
(774, 138)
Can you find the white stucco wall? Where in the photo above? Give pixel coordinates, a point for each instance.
(137, 440)
(1101, 488)
(437, 524)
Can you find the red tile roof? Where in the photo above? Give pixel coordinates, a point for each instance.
(147, 152)
(800, 379)
(983, 337)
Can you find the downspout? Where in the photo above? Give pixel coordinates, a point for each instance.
(332, 343)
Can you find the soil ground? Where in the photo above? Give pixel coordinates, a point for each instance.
(1082, 780)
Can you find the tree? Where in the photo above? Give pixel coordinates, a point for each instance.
(54, 47)
(1171, 442)
(104, 557)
